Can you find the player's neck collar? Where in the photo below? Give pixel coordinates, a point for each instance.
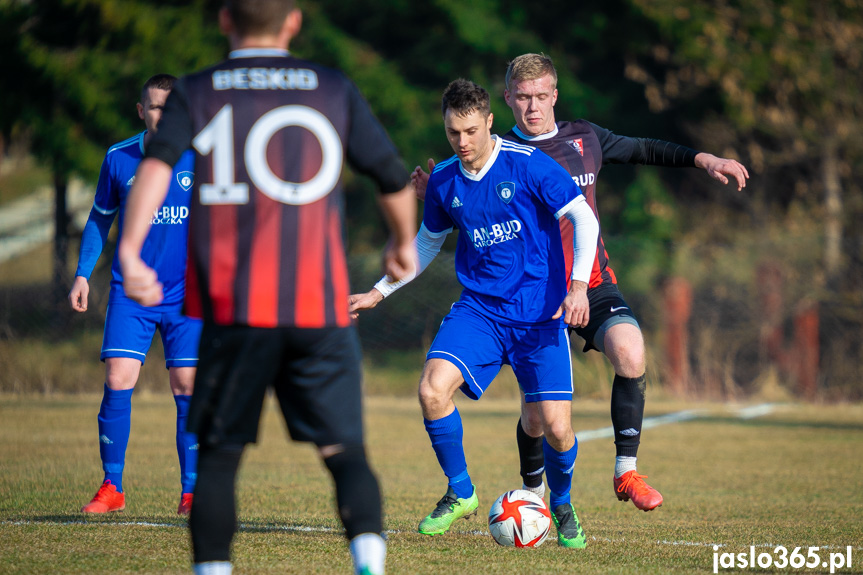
(257, 52)
(545, 136)
(488, 163)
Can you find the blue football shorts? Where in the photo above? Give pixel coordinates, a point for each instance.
(129, 330)
(478, 345)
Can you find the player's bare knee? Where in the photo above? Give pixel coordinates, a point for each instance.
(531, 420)
(121, 373)
(182, 380)
(559, 434)
(626, 355)
(433, 399)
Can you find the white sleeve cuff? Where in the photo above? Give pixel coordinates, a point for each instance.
(428, 245)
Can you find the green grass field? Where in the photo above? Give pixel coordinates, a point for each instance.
(789, 478)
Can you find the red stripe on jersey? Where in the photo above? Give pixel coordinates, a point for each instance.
(193, 306)
(609, 271)
(264, 266)
(339, 270)
(311, 246)
(566, 231)
(223, 262)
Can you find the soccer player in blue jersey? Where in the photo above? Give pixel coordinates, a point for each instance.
(506, 200)
(129, 326)
(583, 148)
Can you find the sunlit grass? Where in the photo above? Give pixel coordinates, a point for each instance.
(784, 479)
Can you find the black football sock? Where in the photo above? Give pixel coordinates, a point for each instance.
(357, 493)
(530, 456)
(627, 413)
(213, 520)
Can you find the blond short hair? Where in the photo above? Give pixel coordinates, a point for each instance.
(530, 67)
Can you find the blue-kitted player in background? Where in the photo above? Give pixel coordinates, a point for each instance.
(129, 326)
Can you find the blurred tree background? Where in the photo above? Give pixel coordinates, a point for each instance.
(773, 271)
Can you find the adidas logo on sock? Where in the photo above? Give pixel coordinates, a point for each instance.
(195, 447)
(105, 439)
(631, 432)
(456, 203)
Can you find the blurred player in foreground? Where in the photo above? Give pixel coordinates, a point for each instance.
(582, 148)
(506, 200)
(129, 326)
(268, 269)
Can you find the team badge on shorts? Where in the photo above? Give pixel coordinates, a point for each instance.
(185, 179)
(505, 191)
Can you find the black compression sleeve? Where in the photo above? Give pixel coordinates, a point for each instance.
(370, 150)
(626, 150)
(174, 135)
(661, 153)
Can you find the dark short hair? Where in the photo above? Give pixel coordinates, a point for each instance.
(160, 82)
(463, 97)
(253, 17)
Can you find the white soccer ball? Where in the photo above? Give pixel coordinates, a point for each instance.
(519, 518)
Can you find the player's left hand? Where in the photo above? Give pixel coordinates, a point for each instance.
(722, 168)
(360, 301)
(420, 179)
(140, 282)
(575, 308)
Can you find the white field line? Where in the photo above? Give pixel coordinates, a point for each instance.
(307, 529)
(676, 417)
(743, 413)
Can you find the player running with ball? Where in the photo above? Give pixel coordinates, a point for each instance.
(506, 199)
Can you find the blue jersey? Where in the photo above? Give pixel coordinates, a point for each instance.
(165, 247)
(509, 256)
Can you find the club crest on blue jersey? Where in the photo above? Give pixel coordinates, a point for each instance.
(185, 179)
(505, 191)
(577, 145)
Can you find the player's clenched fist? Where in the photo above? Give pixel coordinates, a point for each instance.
(140, 282)
(79, 294)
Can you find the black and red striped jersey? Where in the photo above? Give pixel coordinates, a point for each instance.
(271, 133)
(582, 148)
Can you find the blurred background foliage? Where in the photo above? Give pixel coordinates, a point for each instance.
(773, 83)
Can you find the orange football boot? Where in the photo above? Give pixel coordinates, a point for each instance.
(107, 499)
(631, 485)
(185, 504)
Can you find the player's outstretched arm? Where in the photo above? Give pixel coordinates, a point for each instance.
(420, 179)
(146, 196)
(722, 168)
(400, 212)
(362, 301)
(79, 294)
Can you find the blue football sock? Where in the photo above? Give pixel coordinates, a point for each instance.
(115, 421)
(187, 445)
(558, 472)
(446, 438)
